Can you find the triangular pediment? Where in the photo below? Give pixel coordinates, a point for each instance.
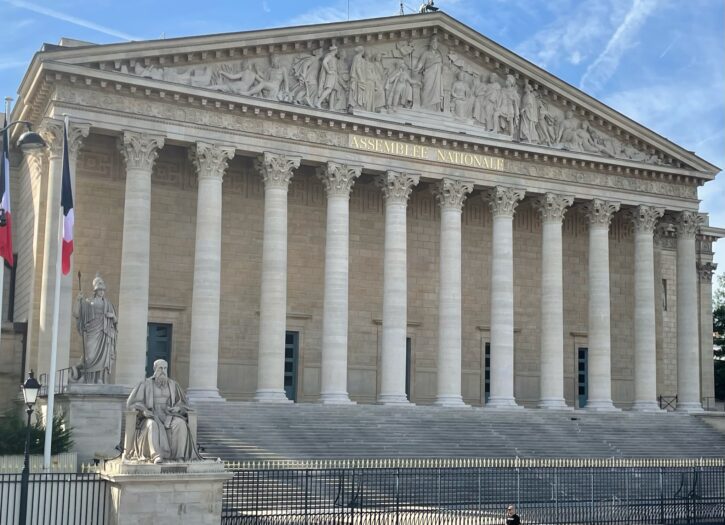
(429, 71)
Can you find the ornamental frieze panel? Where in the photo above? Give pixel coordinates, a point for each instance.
(424, 80)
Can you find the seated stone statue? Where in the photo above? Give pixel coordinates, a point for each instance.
(162, 431)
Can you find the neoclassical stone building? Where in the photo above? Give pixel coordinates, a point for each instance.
(384, 210)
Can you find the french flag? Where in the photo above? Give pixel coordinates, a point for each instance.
(6, 221)
(66, 202)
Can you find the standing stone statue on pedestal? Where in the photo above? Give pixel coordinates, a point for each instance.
(162, 431)
(96, 320)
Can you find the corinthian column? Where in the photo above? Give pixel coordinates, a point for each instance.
(688, 355)
(396, 189)
(338, 180)
(503, 202)
(450, 194)
(552, 208)
(276, 171)
(644, 219)
(211, 162)
(139, 150)
(705, 269)
(600, 214)
(52, 132)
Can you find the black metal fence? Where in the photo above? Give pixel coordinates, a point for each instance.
(476, 494)
(53, 498)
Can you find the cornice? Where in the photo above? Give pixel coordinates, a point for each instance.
(184, 95)
(459, 37)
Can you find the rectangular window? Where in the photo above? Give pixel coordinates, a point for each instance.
(664, 294)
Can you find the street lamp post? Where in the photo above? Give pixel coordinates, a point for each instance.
(30, 389)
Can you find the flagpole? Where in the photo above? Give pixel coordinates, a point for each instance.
(56, 315)
(2, 262)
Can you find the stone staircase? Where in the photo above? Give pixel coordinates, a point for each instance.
(244, 431)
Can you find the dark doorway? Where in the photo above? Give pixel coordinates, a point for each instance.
(487, 372)
(408, 364)
(291, 361)
(582, 376)
(158, 345)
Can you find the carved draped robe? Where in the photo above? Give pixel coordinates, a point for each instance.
(166, 435)
(430, 64)
(97, 324)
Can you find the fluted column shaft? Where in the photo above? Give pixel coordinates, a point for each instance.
(600, 214)
(140, 152)
(276, 171)
(211, 163)
(338, 180)
(552, 208)
(451, 195)
(503, 202)
(644, 219)
(396, 188)
(688, 355)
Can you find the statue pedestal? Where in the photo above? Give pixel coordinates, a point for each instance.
(175, 493)
(94, 413)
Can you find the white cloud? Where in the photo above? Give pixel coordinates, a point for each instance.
(70, 19)
(338, 11)
(607, 62)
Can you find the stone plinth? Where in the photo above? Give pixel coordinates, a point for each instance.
(168, 493)
(94, 412)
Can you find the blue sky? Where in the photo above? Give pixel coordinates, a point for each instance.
(660, 62)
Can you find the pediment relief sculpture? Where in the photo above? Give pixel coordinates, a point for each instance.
(420, 79)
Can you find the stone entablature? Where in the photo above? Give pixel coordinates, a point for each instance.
(203, 119)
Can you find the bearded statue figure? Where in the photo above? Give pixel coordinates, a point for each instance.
(96, 321)
(162, 431)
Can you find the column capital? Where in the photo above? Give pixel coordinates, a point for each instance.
(553, 206)
(452, 193)
(600, 212)
(338, 179)
(276, 169)
(140, 150)
(503, 200)
(644, 218)
(211, 160)
(705, 271)
(397, 186)
(687, 223)
(51, 129)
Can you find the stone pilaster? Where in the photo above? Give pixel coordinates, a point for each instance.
(451, 195)
(276, 171)
(52, 132)
(552, 208)
(705, 270)
(599, 214)
(503, 202)
(397, 188)
(139, 151)
(644, 220)
(211, 162)
(338, 180)
(688, 340)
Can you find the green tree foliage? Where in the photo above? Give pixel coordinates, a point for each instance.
(12, 435)
(718, 329)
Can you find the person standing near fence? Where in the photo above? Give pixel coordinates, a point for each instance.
(511, 517)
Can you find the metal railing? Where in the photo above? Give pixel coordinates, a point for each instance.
(61, 381)
(668, 403)
(541, 491)
(78, 499)
(711, 404)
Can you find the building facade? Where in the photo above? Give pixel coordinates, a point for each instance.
(392, 210)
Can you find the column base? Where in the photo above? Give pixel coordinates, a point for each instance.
(394, 399)
(554, 403)
(501, 402)
(601, 405)
(271, 396)
(689, 407)
(646, 406)
(451, 401)
(204, 394)
(330, 398)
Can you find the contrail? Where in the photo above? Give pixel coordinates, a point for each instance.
(70, 19)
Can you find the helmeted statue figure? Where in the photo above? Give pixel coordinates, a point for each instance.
(96, 320)
(162, 432)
